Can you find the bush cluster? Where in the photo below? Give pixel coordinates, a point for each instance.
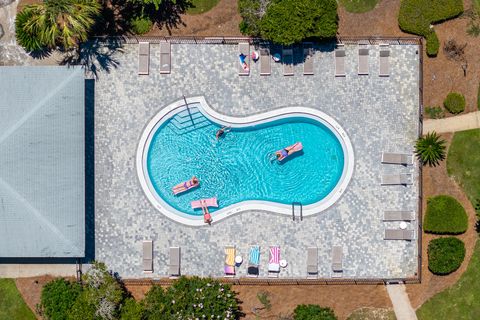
(141, 25)
(416, 16)
(445, 255)
(102, 296)
(313, 312)
(454, 103)
(289, 21)
(445, 215)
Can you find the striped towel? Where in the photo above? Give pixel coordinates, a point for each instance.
(255, 255)
(274, 255)
(230, 256)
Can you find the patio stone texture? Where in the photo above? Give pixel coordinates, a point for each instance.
(378, 113)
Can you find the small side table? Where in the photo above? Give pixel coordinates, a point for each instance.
(283, 263)
(238, 260)
(403, 225)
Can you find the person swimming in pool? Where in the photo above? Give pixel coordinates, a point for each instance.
(207, 218)
(221, 132)
(283, 153)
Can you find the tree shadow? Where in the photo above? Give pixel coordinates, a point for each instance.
(168, 16)
(95, 55)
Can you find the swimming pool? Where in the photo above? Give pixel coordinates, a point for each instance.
(240, 169)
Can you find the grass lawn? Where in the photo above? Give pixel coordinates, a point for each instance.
(201, 6)
(463, 162)
(12, 305)
(461, 301)
(358, 6)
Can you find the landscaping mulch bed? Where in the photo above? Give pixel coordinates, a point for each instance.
(31, 289)
(222, 20)
(436, 181)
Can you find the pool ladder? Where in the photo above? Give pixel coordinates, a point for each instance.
(298, 206)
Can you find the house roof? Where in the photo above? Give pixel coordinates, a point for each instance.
(42, 170)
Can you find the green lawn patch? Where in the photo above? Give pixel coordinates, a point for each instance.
(445, 255)
(459, 302)
(416, 16)
(12, 306)
(358, 6)
(463, 162)
(201, 6)
(445, 215)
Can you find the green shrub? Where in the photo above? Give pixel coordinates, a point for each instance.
(58, 297)
(432, 44)
(190, 298)
(430, 149)
(416, 16)
(141, 25)
(478, 97)
(445, 255)
(434, 112)
(454, 103)
(131, 310)
(289, 21)
(313, 312)
(445, 215)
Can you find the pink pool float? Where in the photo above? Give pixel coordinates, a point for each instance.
(185, 186)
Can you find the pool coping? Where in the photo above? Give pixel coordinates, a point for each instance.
(265, 117)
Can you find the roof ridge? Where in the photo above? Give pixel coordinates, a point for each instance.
(38, 215)
(37, 107)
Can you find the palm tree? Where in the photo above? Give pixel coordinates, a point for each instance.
(65, 23)
(430, 149)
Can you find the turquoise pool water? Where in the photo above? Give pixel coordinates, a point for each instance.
(239, 166)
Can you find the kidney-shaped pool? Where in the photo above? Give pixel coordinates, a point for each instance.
(240, 169)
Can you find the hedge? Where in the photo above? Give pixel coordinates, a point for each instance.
(313, 312)
(416, 16)
(445, 215)
(432, 44)
(445, 255)
(454, 103)
(287, 22)
(478, 97)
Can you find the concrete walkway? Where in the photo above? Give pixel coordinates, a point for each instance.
(458, 123)
(401, 303)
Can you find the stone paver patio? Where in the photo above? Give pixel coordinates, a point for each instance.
(378, 114)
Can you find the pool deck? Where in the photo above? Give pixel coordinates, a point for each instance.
(379, 114)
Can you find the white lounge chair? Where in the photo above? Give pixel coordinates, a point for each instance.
(384, 65)
(397, 179)
(397, 158)
(244, 48)
(363, 59)
(147, 256)
(165, 57)
(253, 262)
(337, 261)
(340, 60)
(399, 215)
(308, 60)
(274, 262)
(287, 61)
(174, 265)
(399, 234)
(312, 263)
(143, 58)
(265, 62)
(229, 265)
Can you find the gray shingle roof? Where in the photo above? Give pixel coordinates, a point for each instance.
(42, 171)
